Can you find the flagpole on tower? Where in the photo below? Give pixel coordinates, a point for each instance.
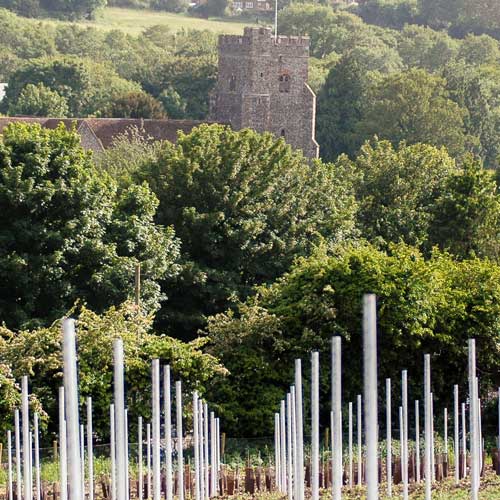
(275, 21)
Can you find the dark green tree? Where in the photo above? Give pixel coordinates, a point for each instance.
(136, 105)
(244, 206)
(466, 216)
(68, 234)
(38, 100)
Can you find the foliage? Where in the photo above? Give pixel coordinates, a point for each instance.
(424, 306)
(68, 233)
(466, 216)
(398, 188)
(38, 100)
(38, 354)
(136, 105)
(414, 107)
(88, 87)
(244, 205)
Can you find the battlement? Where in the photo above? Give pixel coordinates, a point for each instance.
(253, 36)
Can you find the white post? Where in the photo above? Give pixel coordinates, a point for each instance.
(350, 442)
(417, 440)
(401, 440)
(148, 461)
(473, 420)
(217, 423)
(445, 417)
(17, 436)
(140, 486)
(213, 466)
(180, 443)
(26, 443)
(112, 450)
(202, 454)
(31, 465)
(359, 423)
(315, 425)
(428, 425)
(404, 461)
(71, 400)
(464, 440)
(127, 483)
(388, 415)
(456, 446)
(82, 458)
(289, 483)
(63, 458)
(156, 430)
(480, 436)
(283, 445)
(294, 445)
(119, 407)
(205, 449)
(299, 428)
(370, 392)
(277, 451)
(196, 441)
(337, 417)
(38, 488)
(9, 458)
(433, 448)
(167, 403)
(90, 449)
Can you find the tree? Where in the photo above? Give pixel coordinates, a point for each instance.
(414, 106)
(466, 216)
(423, 306)
(88, 87)
(244, 206)
(136, 105)
(340, 108)
(38, 100)
(398, 188)
(68, 233)
(478, 50)
(37, 353)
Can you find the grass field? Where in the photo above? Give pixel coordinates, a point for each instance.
(134, 21)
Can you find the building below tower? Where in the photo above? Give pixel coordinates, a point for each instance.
(262, 85)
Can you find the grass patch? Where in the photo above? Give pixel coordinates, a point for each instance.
(134, 21)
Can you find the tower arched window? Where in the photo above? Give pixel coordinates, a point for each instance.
(282, 133)
(284, 82)
(232, 83)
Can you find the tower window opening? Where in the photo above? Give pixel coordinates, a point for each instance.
(232, 83)
(284, 83)
(282, 133)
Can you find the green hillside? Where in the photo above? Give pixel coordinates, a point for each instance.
(134, 21)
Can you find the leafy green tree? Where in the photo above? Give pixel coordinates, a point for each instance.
(136, 105)
(466, 216)
(414, 106)
(38, 100)
(88, 87)
(340, 109)
(478, 50)
(398, 188)
(244, 206)
(38, 354)
(173, 103)
(68, 233)
(424, 306)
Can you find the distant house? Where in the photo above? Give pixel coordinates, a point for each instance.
(252, 6)
(97, 134)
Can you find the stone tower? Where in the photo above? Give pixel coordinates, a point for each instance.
(262, 84)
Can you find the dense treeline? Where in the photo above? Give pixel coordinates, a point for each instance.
(67, 70)
(414, 84)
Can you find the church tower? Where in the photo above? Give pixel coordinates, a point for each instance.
(262, 84)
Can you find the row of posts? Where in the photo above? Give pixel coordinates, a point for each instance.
(72, 438)
(288, 436)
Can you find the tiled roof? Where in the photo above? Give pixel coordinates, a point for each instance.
(106, 129)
